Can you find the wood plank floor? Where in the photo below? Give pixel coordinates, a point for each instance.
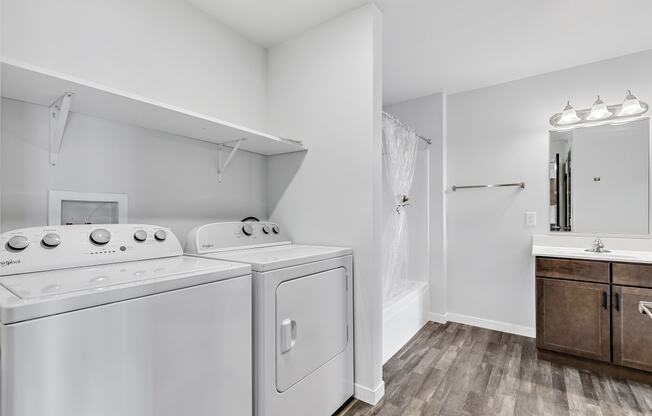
(456, 369)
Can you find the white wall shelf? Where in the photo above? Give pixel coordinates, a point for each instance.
(35, 85)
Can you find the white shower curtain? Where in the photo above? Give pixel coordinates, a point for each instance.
(400, 150)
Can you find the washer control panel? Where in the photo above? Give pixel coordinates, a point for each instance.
(223, 236)
(49, 248)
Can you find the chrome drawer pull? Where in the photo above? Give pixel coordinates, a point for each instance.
(645, 308)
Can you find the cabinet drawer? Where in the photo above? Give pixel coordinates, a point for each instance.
(583, 270)
(627, 274)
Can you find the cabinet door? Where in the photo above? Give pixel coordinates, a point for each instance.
(573, 318)
(632, 330)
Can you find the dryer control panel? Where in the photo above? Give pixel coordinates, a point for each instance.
(224, 236)
(62, 246)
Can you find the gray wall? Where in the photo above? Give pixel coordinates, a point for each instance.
(165, 50)
(500, 134)
(325, 87)
(170, 180)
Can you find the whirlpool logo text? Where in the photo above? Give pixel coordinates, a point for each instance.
(9, 262)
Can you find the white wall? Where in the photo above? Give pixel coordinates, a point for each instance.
(427, 116)
(619, 156)
(500, 134)
(160, 49)
(325, 88)
(170, 180)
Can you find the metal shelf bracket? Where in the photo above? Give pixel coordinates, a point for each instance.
(221, 167)
(59, 112)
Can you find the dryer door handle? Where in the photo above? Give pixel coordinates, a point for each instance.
(288, 335)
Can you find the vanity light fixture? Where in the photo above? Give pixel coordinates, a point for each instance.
(599, 111)
(569, 115)
(631, 106)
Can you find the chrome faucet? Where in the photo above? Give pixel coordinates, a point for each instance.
(598, 247)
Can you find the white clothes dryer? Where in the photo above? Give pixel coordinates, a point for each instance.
(303, 315)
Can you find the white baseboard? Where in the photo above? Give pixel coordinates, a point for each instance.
(440, 318)
(483, 323)
(368, 395)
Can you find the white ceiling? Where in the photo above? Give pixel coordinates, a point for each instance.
(268, 22)
(458, 45)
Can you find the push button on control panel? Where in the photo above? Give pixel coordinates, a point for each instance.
(247, 229)
(275, 229)
(18, 242)
(51, 240)
(160, 235)
(140, 235)
(266, 229)
(100, 236)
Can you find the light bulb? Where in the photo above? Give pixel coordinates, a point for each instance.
(569, 115)
(599, 111)
(631, 106)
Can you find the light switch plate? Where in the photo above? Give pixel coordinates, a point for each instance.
(530, 219)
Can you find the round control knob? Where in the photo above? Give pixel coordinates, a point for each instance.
(51, 240)
(18, 242)
(275, 229)
(140, 235)
(160, 235)
(266, 229)
(100, 236)
(247, 229)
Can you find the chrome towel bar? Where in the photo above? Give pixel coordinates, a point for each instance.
(645, 308)
(500, 185)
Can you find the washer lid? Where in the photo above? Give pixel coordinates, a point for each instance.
(277, 257)
(33, 295)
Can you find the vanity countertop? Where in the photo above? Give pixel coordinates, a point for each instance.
(624, 256)
(625, 250)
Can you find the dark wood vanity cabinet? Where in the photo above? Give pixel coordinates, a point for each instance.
(573, 317)
(589, 309)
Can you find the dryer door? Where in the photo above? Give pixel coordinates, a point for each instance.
(311, 324)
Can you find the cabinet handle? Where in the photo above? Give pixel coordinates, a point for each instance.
(604, 300)
(618, 302)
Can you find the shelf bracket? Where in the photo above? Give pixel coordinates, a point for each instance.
(221, 167)
(59, 112)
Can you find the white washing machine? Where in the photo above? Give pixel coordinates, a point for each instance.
(115, 320)
(303, 315)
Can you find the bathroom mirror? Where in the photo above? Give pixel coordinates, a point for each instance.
(599, 179)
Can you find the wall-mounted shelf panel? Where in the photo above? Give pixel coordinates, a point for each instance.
(35, 85)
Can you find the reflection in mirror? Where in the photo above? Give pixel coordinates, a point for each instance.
(599, 179)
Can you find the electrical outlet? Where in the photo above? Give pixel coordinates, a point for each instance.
(530, 219)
